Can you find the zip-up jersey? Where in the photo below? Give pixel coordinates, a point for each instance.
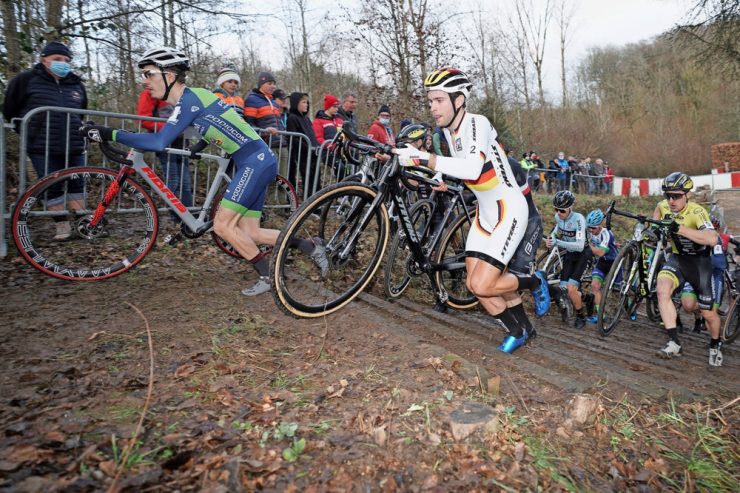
(570, 233)
(605, 241)
(479, 161)
(212, 117)
(692, 216)
(521, 179)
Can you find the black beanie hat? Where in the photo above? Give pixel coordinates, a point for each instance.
(56, 48)
(384, 109)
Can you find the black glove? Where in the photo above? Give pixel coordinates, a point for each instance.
(672, 226)
(96, 133)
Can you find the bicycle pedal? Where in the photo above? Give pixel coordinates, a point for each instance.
(172, 240)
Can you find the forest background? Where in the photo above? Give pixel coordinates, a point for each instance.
(648, 108)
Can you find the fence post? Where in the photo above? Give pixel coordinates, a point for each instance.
(3, 215)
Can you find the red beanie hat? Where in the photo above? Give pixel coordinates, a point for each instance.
(329, 101)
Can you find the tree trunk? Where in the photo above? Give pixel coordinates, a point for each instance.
(12, 43)
(53, 19)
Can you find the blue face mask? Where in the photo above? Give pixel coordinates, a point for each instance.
(60, 69)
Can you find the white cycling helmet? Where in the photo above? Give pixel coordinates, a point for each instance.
(165, 57)
(449, 80)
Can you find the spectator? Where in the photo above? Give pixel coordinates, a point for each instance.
(300, 155)
(227, 88)
(282, 100)
(347, 111)
(563, 175)
(380, 129)
(175, 168)
(534, 173)
(608, 178)
(597, 171)
(584, 169)
(326, 121)
(261, 111)
(53, 142)
(552, 176)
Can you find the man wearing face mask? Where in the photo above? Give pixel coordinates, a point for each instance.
(50, 83)
(381, 129)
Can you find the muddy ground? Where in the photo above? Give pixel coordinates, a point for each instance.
(244, 398)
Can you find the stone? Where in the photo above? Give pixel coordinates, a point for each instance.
(470, 417)
(581, 409)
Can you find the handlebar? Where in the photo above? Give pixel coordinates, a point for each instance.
(638, 217)
(115, 155)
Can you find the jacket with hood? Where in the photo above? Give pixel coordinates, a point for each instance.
(381, 133)
(325, 126)
(300, 122)
(37, 87)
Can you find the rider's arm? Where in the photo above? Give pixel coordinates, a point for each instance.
(158, 141)
(464, 168)
(656, 213)
(600, 249)
(580, 239)
(700, 236)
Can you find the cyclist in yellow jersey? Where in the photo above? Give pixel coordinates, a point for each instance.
(693, 238)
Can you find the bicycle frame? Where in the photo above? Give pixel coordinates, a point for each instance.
(134, 164)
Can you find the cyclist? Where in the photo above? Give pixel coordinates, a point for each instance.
(693, 238)
(501, 215)
(570, 235)
(601, 242)
(238, 218)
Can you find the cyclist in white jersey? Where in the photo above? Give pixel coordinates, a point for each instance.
(502, 214)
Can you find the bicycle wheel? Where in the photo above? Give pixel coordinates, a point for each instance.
(451, 255)
(400, 265)
(67, 199)
(281, 200)
(333, 219)
(552, 268)
(731, 327)
(617, 292)
(651, 303)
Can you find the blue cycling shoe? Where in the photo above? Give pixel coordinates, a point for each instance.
(511, 343)
(593, 319)
(541, 295)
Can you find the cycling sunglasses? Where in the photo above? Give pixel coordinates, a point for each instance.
(148, 74)
(674, 196)
(562, 211)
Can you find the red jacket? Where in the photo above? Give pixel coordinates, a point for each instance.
(148, 106)
(381, 133)
(325, 126)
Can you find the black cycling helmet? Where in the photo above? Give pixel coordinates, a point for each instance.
(411, 133)
(678, 182)
(563, 199)
(715, 222)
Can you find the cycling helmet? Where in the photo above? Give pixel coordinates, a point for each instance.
(678, 182)
(594, 218)
(449, 80)
(716, 223)
(563, 199)
(165, 57)
(411, 133)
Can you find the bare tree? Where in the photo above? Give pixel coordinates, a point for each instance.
(565, 11)
(534, 27)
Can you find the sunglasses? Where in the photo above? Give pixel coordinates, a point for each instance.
(147, 74)
(561, 211)
(592, 228)
(674, 196)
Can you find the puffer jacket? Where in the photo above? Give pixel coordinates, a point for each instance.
(35, 88)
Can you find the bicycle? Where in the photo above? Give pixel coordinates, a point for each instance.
(551, 263)
(632, 277)
(351, 221)
(731, 326)
(115, 221)
(430, 223)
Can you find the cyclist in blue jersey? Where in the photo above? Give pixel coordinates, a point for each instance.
(570, 235)
(601, 242)
(238, 218)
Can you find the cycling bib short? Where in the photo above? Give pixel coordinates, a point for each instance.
(501, 216)
(695, 270)
(525, 256)
(219, 124)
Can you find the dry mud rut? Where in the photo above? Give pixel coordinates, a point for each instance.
(74, 371)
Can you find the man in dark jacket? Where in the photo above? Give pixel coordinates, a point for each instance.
(262, 111)
(51, 83)
(300, 155)
(347, 111)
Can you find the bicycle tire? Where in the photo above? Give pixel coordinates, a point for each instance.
(281, 200)
(330, 217)
(125, 234)
(651, 303)
(615, 303)
(452, 249)
(400, 266)
(731, 327)
(551, 270)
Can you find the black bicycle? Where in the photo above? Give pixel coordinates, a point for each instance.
(351, 221)
(731, 326)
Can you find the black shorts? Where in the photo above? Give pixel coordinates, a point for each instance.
(523, 261)
(695, 270)
(574, 265)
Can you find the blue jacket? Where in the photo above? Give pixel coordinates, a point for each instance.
(35, 88)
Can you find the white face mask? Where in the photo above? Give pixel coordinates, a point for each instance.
(385, 121)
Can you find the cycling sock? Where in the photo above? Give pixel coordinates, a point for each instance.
(714, 343)
(579, 312)
(521, 317)
(529, 282)
(673, 334)
(306, 246)
(260, 264)
(507, 318)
